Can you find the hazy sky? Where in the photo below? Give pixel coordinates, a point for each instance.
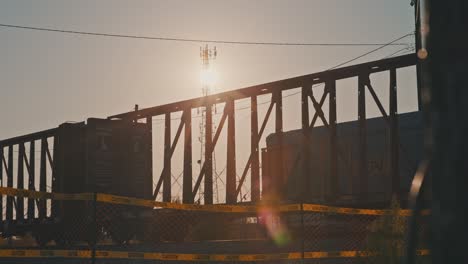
(49, 78)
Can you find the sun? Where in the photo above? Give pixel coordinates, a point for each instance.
(208, 77)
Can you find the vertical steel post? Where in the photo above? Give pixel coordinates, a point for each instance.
(331, 89)
(279, 133)
(394, 136)
(231, 155)
(306, 140)
(149, 150)
(306, 128)
(254, 140)
(278, 112)
(363, 178)
(9, 208)
(187, 196)
(95, 229)
(20, 183)
(43, 177)
(208, 195)
(56, 182)
(1, 181)
(31, 178)
(418, 46)
(167, 159)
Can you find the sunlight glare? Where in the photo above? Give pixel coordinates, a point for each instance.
(208, 77)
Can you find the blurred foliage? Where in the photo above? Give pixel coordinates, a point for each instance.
(386, 237)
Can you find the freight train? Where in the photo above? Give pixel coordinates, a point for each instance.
(109, 156)
(284, 172)
(96, 156)
(115, 157)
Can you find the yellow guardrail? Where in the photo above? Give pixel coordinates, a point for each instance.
(115, 199)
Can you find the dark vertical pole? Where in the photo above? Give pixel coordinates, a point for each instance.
(254, 139)
(9, 208)
(444, 23)
(208, 195)
(95, 229)
(149, 149)
(187, 196)
(417, 39)
(362, 80)
(31, 178)
(331, 89)
(167, 159)
(20, 183)
(306, 140)
(305, 158)
(278, 112)
(1, 182)
(55, 180)
(231, 155)
(279, 133)
(42, 177)
(394, 137)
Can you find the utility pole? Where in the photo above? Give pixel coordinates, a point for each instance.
(418, 46)
(442, 27)
(446, 26)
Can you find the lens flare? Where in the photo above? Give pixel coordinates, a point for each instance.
(271, 220)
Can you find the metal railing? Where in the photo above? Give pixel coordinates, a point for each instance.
(102, 227)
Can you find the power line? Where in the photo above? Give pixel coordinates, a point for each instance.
(356, 58)
(371, 51)
(214, 41)
(336, 66)
(410, 49)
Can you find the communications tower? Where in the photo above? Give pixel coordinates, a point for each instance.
(207, 55)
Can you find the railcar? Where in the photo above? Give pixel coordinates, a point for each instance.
(97, 156)
(284, 165)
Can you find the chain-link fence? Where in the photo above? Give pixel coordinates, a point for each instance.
(101, 228)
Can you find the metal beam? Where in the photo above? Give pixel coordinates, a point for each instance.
(363, 177)
(282, 85)
(1, 180)
(265, 120)
(305, 93)
(394, 136)
(318, 107)
(9, 206)
(20, 182)
(56, 181)
(43, 177)
(215, 140)
(166, 176)
(149, 149)
(231, 155)
(168, 152)
(278, 98)
(254, 153)
(33, 136)
(31, 177)
(49, 157)
(331, 89)
(208, 192)
(251, 158)
(187, 196)
(376, 99)
(316, 114)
